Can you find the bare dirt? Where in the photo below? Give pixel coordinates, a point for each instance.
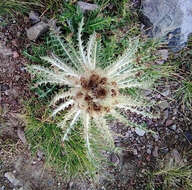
(14, 91)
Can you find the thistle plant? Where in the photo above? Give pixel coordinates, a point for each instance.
(92, 92)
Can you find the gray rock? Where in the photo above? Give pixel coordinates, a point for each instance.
(139, 131)
(135, 152)
(87, 6)
(4, 51)
(173, 127)
(156, 137)
(166, 92)
(34, 17)
(171, 19)
(128, 134)
(149, 151)
(164, 105)
(164, 150)
(165, 114)
(4, 87)
(169, 123)
(155, 151)
(149, 146)
(37, 30)
(12, 179)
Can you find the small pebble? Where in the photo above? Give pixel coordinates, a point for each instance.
(148, 151)
(139, 131)
(164, 105)
(50, 182)
(155, 151)
(166, 114)
(156, 137)
(166, 93)
(175, 111)
(12, 179)
(168, 123)
(148, 158)
(165, 150)
(15, 55)
(34, 162)
(135, 152)
(173, 127)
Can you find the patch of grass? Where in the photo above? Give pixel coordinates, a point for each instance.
(181, 61)
(49, 7)
(69, 158)
(174, 173)
(16, 6)
(184, 93)
(176, 176)
(52, 8)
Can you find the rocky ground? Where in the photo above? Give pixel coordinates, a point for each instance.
(142, 153)
(17, 168)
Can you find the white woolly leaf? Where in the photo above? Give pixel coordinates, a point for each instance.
(62, 95)
(91, 51)
(81, 48)
(62, 107)
(68, 131)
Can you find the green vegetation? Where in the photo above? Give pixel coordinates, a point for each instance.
(67, 158)
(107, 47)
(184, 93)
(89, 91)
(181, 62)
(174, 174)
(16, 6)
(93, 93)
(176, 177)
